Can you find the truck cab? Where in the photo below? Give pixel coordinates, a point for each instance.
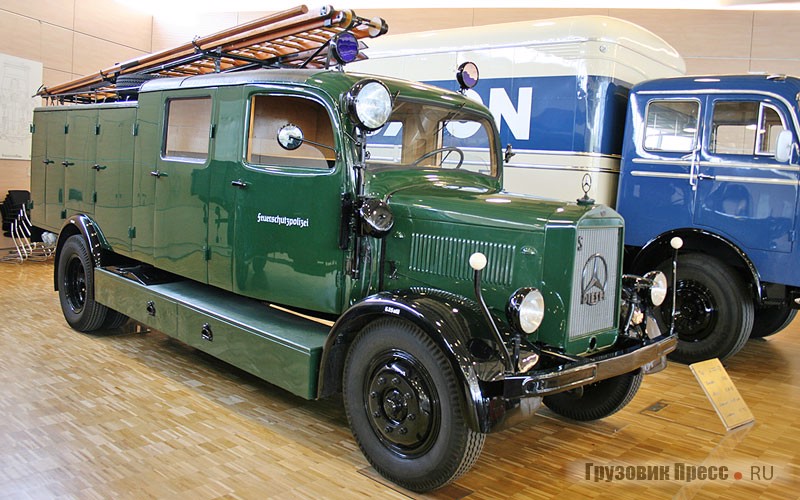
(702, 159)
(336, 232)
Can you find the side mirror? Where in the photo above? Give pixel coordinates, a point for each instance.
(784, 146)
(290, 137)
(376, 217)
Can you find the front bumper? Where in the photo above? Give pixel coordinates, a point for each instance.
(518, 396)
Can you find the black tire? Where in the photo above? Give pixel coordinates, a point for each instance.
(770, 320)
(714, 313)
(76, 287)
(597, 400)
(404, 405)
(114, 319)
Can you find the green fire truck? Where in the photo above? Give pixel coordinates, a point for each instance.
(233, 193)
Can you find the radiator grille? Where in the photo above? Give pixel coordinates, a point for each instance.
(449, 257)
(594, 282)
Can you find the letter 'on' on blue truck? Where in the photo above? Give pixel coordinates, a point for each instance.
(333, 232)
(713, 160)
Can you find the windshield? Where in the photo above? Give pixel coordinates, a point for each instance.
(422, 135)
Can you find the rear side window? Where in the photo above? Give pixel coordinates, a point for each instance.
(268, 113)
(672, 125)
(188, 129)
(745, 128)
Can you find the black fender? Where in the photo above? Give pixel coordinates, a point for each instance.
(452, 321)
(80, 224)
(658, 249)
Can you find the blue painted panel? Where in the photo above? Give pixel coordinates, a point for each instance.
(554, 113)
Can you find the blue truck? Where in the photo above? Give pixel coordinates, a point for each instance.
(598, 105)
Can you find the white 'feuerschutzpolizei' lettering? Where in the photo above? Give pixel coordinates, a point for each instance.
(282, 221)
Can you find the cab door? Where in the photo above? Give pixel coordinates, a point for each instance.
(180, 220)
(660, 161)
(742, 191)
(288, 206)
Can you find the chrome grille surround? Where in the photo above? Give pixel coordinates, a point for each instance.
(594, 281)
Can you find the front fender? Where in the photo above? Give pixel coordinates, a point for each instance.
(455, 324)
(79, 224)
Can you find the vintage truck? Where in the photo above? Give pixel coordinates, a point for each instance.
(693, 157)
(248, 213)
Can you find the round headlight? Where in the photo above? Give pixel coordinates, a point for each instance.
(526, 309)
(369, 104)
(658, 291)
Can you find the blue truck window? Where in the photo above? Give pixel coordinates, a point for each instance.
(671, 125)
(745, 128)
(268, 113)
(187, 129)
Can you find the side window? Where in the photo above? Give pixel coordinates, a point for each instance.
(770, 125)
(188, 128)
(268, 113)
(745, 128)
(733, 128)
(671, 125)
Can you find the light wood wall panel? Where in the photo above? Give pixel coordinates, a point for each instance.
(125, 26)
(70, 38)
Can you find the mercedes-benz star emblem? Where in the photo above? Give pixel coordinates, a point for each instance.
(594, 278)
(586, 183)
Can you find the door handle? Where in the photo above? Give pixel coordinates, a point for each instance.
(239, 184)
(706, 177)
(67, 163)
(158, 174)
(99, 167)
(47, 162)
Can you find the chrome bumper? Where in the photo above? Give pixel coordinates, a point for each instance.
(522, 393)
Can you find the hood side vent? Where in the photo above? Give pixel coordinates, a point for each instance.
(449, 257)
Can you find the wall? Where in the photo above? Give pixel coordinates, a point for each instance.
(70, 38)
(76, 37)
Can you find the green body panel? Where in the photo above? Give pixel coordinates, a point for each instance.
(39, 167)
(55, 214)
(221, 194)
(271, 344)
(81, 149)
(147, 149)
(180, 222)
(114, 176)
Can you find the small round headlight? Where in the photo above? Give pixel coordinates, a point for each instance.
(369, 104)
(526, 309)
(658, 291)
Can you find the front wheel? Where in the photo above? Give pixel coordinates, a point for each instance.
(713, 312)
(404, 404)
(76, 287)
(597, 400)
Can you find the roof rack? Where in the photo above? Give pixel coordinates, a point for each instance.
(291, 38)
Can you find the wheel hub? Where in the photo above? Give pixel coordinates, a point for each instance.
(400, 402)
(695, 311)
(75, 284)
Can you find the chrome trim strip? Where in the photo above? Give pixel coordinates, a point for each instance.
(663, 175)
(740, 165)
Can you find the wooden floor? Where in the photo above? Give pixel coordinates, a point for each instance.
(131, 415)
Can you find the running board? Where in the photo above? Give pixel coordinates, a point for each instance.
(274, 345)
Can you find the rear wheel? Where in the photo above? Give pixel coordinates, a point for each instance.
(713, 312)
(76, 287)
(770, 320)
(597, 400)
(404, 404)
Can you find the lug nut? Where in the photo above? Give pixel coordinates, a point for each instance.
(395, 381)
(403, 430)
(381, 380)
(373, 394)
(388, 429)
